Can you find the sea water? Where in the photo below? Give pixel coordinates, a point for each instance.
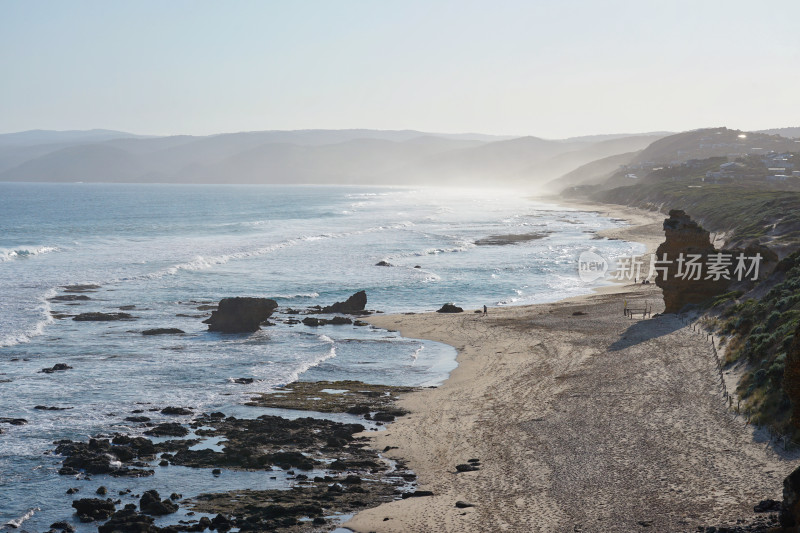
(162, 252)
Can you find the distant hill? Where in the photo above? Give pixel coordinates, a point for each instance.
(36, 137)
(303, 156)
(711, 142)
(791, 133)
(592, 173)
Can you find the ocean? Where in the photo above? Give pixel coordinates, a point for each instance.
(163, 252)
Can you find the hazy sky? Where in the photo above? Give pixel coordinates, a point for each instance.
(550, 68)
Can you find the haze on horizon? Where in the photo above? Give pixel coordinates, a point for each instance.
(546, 68)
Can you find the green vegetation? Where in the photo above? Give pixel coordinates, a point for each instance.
(761, 332)
(748, 213)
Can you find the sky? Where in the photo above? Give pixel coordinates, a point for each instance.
(548, 68)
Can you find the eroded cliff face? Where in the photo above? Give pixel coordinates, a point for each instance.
(686, 239)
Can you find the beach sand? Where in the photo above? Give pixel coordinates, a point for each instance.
(588, 422)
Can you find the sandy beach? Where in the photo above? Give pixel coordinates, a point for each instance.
(582, 420)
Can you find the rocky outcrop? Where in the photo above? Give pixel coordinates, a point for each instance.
(687, 237)
(353, 305)
(450, 308)
(240, 315)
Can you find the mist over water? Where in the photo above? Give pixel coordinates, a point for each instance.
(167, 250)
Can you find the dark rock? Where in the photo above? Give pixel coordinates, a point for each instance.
(312, 321)
(101, 317)
(72, 490)
(767, 506)
(463, 505)
(287, 460)
(240, 315)
(62, 526)
(450, 308)
(50, 408)
(473, 460)
(176, 411)
(163, 331)
(168, 429)
(216, 472)
(417, 266)
(383, 416)
(578, 313)
(128, 521)
(243, 381)
(137, 419)
(14, 421)
(69, 298)
(102, 491)
(383, 264)
(340, 321)
(175, 496)
(360, 323)
(58, 367)
(466, 468)
(352, 480)
(150, 503)
(353, 305)
(220, 523)
(360, 409)
(417, 494)
(512, 238)
(93, 508)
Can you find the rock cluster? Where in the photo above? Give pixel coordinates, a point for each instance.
(240, 315)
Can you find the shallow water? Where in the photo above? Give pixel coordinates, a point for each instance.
(167, 250)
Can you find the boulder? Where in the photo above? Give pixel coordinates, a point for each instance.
(353, 305)
(383, 264)
(240, 315)
(89, 509)
(151, 504)
(450, 308)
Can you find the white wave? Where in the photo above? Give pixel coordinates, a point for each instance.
(415, 355)
(24, 336)
(17, 522)
(205, 263)
(293, 296)
(307, 365)
(22, 253)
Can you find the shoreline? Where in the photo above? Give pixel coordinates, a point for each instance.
(563, 405)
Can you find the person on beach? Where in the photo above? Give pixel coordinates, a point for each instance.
(484, 310)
